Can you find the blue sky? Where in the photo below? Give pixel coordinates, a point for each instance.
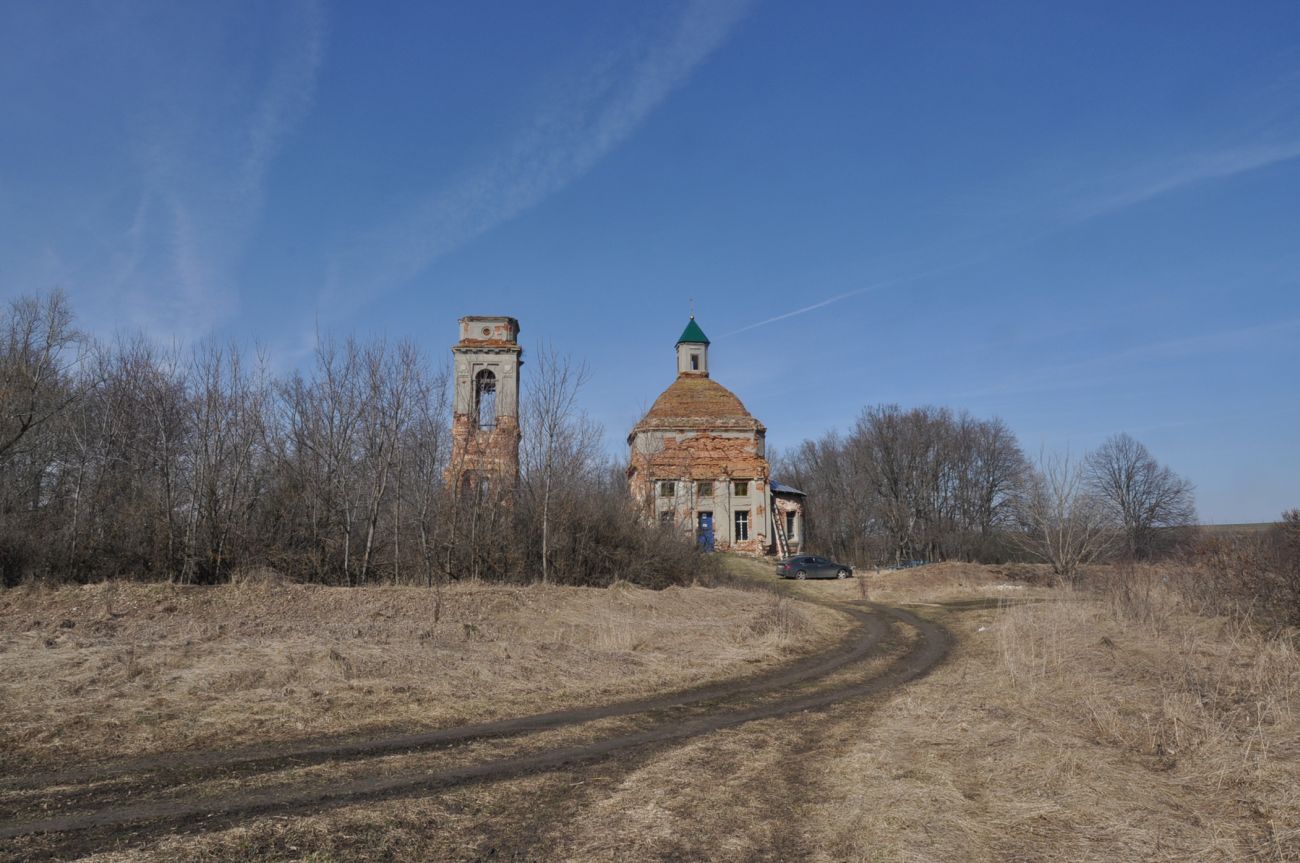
(1083, 218)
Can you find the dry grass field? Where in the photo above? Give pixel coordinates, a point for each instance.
(1065, 725)
(125, 669)
(1075, 726)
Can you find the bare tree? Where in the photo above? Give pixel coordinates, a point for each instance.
(1064, 524)
(991, 470)
(322, 417)
(426, 448)
(907, 483)
(39, 350)
(228, 416)
(559, 442)
(1142, 495)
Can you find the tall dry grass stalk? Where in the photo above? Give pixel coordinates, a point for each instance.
(1211, 702)
(1108, 723)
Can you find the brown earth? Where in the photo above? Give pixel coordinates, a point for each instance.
(1063, 726)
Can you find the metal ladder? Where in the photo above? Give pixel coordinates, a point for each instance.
(782, 544)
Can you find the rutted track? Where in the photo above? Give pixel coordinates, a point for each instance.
(861, 641)
(96, 809)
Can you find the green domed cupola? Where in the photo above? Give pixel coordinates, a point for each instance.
(693, 351)
(693, 335)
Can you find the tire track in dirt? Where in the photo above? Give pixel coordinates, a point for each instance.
(860, 642)
(149, 817)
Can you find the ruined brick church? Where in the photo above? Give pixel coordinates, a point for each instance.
(698, 461)
(698, 458)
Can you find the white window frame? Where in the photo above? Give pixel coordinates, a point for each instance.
(740, 523)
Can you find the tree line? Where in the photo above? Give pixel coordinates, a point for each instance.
(131, 460)
(127, 459)
(927, 483)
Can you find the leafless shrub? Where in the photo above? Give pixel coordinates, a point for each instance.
(1140, 593)
(1064, 524)
(1253, 576)
(256, 576)
(782, 620)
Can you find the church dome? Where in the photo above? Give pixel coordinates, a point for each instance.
(694, 402)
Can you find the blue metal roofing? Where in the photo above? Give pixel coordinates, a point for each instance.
(782, 488)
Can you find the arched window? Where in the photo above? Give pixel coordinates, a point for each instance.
(485, 399)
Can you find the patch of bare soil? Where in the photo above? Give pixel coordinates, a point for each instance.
(107, 671)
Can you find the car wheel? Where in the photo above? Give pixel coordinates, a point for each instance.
(801, 575)
(843, 573)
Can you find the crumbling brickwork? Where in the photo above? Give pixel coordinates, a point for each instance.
(490, 454)
(485, 432)
(698, 458)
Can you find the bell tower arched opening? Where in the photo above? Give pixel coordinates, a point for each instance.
(485, 404)
(485, 400)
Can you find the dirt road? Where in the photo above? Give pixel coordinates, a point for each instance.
(122, 805)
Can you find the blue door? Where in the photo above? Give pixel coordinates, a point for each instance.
(704, 530)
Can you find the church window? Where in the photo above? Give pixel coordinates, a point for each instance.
(667, 489)
(666, 518)
(704, 489)
(741, 488)
(789, 525)
(695, 362)
(742, 525)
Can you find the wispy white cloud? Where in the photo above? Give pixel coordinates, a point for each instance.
(203, 186)
(1144, 184)
(285, 101)
(898, 281)
(1138, 186)
(814, 306)
(563, 142)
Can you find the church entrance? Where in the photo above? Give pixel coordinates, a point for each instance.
(704, 530)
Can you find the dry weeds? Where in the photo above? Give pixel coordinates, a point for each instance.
(939, 582)
(1073, 727)
(1119, 728)
(119, 669)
